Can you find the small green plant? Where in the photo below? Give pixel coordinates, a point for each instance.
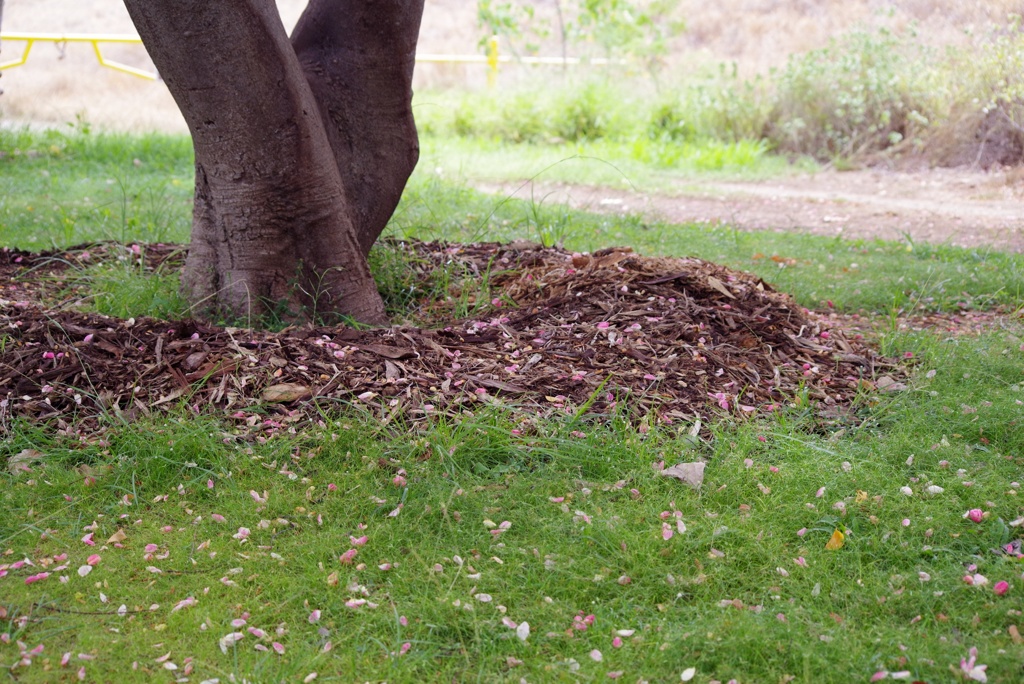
(127, 289)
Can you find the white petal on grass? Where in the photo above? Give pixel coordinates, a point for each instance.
(84, 570)
(229, 640)
(906, 491)
(523, 631)
(688, 674)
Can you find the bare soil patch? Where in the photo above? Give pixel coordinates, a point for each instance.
(958, 207)
(659, 339)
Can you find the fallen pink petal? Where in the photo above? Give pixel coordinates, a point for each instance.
(975, 515)
(32, 579)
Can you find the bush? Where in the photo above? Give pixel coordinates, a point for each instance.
(985, 123)
(860, 95)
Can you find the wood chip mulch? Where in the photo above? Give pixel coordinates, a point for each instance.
(662, 339)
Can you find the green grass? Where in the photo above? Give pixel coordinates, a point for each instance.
(60, 188)
(845, 614)
(711, 598)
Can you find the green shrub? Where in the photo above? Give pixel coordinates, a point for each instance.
(985, 122)
(862, 94)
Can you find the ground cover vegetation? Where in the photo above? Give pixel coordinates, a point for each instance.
(871, 95)
(339, 541)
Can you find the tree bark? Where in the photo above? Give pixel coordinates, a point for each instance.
(284, 204)
(359, 58)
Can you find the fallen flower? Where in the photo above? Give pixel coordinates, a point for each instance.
(523, 631)
(974, 515)
(184, 603)
(32, 579)
(229, 640)
(971, 669)
(1001, 588)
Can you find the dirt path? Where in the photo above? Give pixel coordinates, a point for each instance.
(942, 206)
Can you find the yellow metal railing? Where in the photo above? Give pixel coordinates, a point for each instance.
(492, 59)
(61, 39)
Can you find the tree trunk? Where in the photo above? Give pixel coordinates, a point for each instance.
(284, 204)
(359, 58)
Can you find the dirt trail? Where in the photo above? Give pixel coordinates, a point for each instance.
(940, 206)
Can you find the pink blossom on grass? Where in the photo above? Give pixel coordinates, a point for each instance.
(971, 670)
(32, 579)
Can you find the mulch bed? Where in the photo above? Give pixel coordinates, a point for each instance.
(662, 339)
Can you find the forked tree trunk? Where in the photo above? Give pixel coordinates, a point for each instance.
(295, 176)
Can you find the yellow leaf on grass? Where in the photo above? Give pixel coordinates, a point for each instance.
(862, 496)
(836, 541)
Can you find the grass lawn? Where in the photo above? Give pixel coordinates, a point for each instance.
(501, 547)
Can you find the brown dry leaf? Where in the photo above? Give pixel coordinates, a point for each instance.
(1015, 634)
(836, 541)
(690, 473)
(720, 286)
(285, 392)
(117, 537)
(19, 462)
